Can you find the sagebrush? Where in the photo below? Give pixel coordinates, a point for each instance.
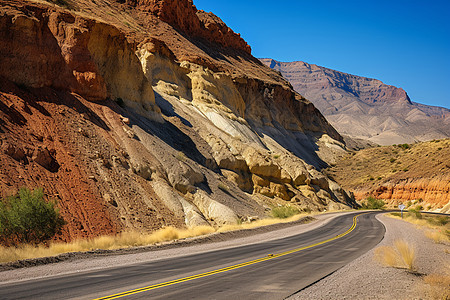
(27, 218)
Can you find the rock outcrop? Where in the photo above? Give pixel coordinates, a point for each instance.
(417, 174)
(365, 108)
(156, 116)
(184, 16)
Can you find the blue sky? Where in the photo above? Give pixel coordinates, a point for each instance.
(402, 43)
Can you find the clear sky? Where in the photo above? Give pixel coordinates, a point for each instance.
(405, 43)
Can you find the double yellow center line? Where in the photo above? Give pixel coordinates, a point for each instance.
(233, 267)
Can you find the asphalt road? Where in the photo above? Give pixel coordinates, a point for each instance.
(267, 270)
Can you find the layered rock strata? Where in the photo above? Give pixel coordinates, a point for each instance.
(149, 123)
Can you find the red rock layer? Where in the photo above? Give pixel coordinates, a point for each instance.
(184, 16)
(435, 192)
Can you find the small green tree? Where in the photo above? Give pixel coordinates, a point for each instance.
(373, 203)
(28, 218)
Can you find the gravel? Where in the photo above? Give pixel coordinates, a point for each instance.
(365, 278)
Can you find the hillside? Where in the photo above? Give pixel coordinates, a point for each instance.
(365, 108)
(136, 115)
(418, 173)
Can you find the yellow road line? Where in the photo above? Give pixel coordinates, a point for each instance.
(241, 265)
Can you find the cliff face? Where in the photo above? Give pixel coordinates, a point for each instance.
(418, 173)
(184, 16)
(365, 108)
(133, 125)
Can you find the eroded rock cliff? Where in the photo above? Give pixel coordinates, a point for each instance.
(411, 174)
(135, 116)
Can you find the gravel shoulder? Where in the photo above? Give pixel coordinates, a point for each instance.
(83, 262)
(365, 278)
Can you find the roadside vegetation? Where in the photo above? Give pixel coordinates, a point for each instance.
(436, 227)
(373, 203)
(401, 255)
(283, 212)
(26, 218)
(19, 251)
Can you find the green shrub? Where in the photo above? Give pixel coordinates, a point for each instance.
(283, 212)
(392, 160)
(415, 213)
(27, 218)
(373, 203)
(404, 146)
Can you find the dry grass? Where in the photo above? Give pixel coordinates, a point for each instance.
(439, 286)
(438, 236)
(387, 256)
(123, 240)
(407, 253)
(438, 231)
(401, 255)
(128, 239)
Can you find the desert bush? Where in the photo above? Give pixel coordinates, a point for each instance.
(28, 218)
(224, 188)
(415, 213)
(373, 203)
(401, 255)
(283, 212)
(181, 156)
(404, 146)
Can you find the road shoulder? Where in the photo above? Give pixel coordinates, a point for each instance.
(200, 245)
(365, 278)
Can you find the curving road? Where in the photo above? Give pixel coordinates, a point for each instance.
(267, 270)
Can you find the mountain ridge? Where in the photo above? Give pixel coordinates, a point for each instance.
(365, 108)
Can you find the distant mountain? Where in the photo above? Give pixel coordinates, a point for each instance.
(365, 108)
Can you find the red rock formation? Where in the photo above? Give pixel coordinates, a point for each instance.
(184, 16)
(435, 191)
(53, 48)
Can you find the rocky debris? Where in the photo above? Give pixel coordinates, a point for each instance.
(143, 170)
(183, 177)
(15, 152)
(46, 158)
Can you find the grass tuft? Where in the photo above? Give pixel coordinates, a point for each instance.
(401, 255)
(407, 253)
